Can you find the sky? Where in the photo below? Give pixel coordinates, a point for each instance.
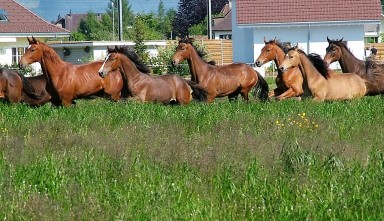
(50, 9)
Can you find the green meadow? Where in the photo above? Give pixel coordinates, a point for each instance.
(101, 160)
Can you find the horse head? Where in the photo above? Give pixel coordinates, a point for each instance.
(183, 50)
(333, 51)
(33, 53)
(291, 59)
(268, 52)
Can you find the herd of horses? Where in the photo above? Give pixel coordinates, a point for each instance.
(122, 74)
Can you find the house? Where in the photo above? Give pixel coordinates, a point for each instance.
(307, 23)
(222, 24)
(16, 24)
(71, 21)
(78, 52)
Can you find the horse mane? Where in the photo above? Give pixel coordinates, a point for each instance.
(52, 55)
(279, 44)
(200, 52)
(316, 60)
(134, 57)
(319, 64)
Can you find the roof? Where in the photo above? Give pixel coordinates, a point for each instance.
(22, 20)
(223, 23)
(250, 12)
(71, 21)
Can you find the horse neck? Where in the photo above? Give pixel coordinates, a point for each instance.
(309, 71)
(50, 63)
(279, 57)
(348, 62)
(130, 71)
(196, 65)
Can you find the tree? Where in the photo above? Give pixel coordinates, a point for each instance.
(192, 12)
(95, 27)
(140, 47)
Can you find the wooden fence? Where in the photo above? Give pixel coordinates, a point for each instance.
(220, 51)
(380, 51)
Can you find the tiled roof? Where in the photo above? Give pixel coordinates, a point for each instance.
(223, 23)
(250, 12)
(22, 20)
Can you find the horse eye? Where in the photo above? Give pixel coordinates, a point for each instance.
(268, 50)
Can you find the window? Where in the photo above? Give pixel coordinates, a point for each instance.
(16, 54)
(227, 36)
(3, 15)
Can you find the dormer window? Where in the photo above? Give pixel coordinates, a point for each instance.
(3, 15)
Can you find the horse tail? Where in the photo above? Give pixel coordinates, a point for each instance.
(261, 85)
(29, 90)
(198, 92)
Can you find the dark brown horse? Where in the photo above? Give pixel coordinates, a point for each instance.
(220, 81)
(322, 84)
(66, 81)
(166, 89)
(369, 70)
(15, 87)
(290, 83)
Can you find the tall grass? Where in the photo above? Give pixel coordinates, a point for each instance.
(291, 160)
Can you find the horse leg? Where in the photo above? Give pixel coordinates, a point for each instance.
(287, 94)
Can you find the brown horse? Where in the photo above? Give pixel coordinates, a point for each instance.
(369, 70)
(324, 86)
(66, 81)
(290, 83)
(220, 81)
(166, 89)
(15, 87)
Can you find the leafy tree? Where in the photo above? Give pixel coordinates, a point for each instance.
(100, 28)
(192, 12)
(140, 47)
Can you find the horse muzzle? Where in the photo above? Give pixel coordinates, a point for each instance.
(258, 63)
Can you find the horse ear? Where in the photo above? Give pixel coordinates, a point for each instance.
(329, 40)
(265, 40)
(341, 40)
(116, 48)
(109, 49)
(34, 40)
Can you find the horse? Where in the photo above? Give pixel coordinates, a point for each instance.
(220, 81)
(165, 89)
(66, 81)
(322, 84)
(289, 84)
(15, 88)
(369, 70)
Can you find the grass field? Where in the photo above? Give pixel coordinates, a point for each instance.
(291, 160)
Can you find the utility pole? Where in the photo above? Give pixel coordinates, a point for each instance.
(113, 20)
(209, 20)
(120, 20)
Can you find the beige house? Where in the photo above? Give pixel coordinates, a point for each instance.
(16, 24)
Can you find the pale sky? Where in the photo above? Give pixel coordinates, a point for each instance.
(50, 9)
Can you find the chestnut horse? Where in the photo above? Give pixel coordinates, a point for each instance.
(67, 82)
(166, 89)
(290, 83)
(322, 84)
(222, 80)
(369, 70)
(15, 87)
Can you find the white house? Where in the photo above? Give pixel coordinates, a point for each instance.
(85, 51)
(16, 24)
(306, 23)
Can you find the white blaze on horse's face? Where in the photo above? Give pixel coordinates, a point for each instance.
(101, 70)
